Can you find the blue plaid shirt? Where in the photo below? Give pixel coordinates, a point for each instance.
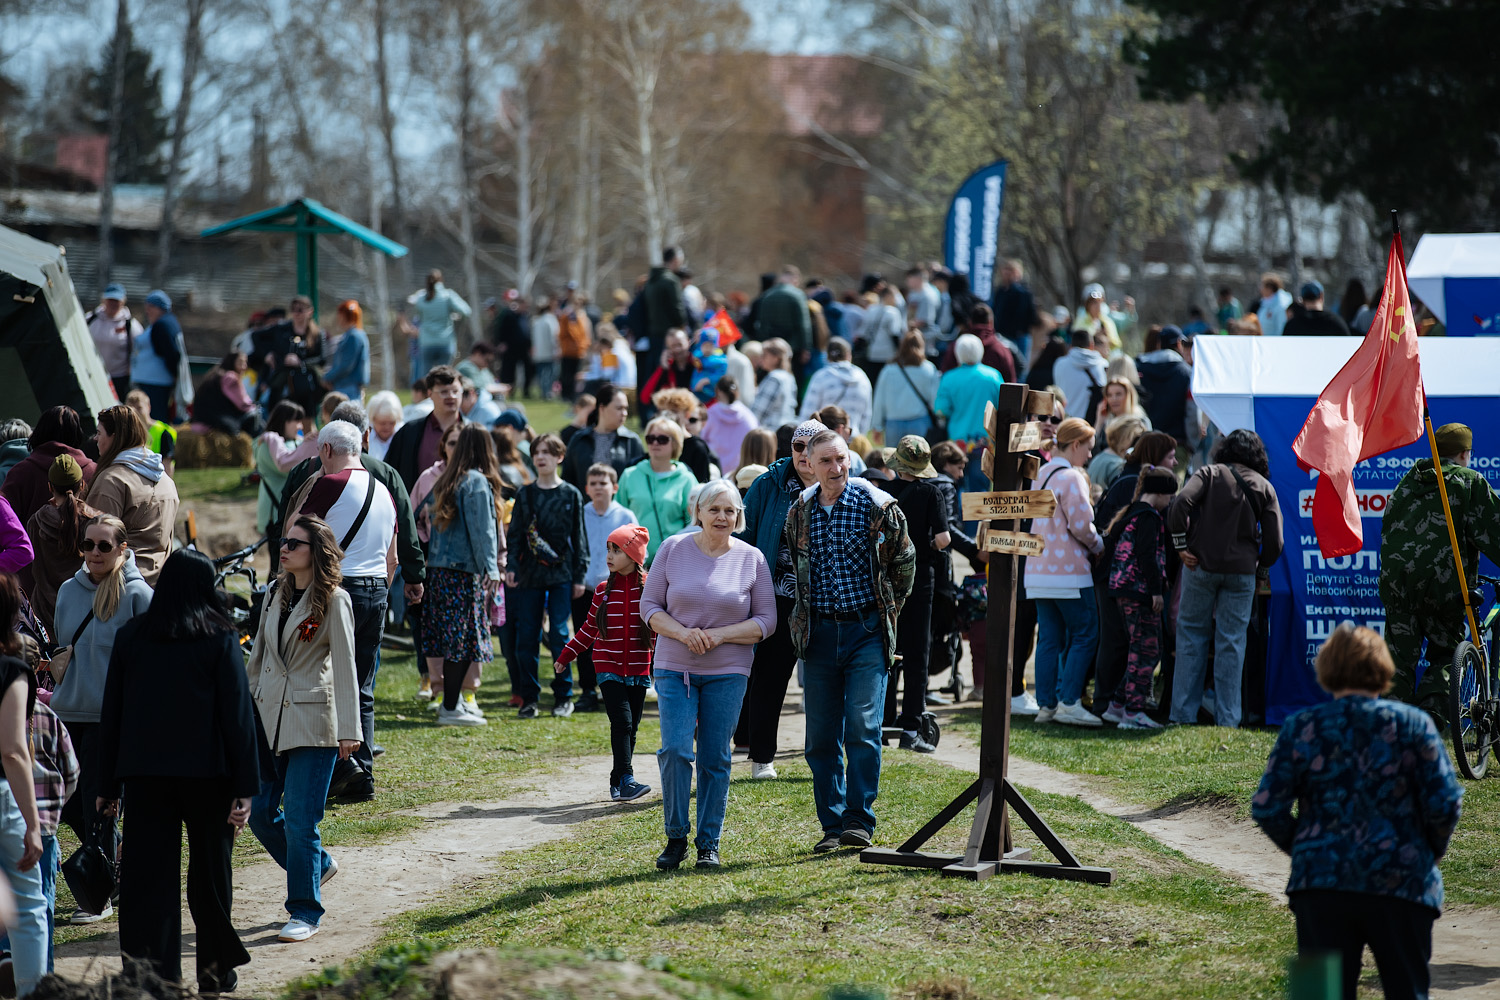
(840, 553)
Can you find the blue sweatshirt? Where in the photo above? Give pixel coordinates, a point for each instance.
(81, 692)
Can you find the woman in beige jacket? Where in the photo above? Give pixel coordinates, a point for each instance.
(303, 683)
(132, 484)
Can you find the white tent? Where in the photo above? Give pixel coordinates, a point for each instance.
(1458, 268)
(46, 355)
(1230, 372)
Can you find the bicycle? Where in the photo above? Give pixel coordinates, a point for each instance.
(1474, 692)
(244, 611)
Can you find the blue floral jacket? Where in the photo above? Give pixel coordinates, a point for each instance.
(1376, 797)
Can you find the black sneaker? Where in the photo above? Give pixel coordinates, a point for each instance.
(630, 789)
(911, 741)
(210, 985)
(676, 850)
(707, 858)
(562, 709)
(528, 710)
(588, 702)
(614, 793)
(855, 837)
(827, 844)
(377, 750)
(351, 783)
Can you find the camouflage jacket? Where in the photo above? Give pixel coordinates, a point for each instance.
(1416, 558)
(893, 561)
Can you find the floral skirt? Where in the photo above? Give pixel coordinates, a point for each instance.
(456, 617)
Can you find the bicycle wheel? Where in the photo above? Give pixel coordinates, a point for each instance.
(1468, 711)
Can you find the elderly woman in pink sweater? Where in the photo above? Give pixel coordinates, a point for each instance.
(1060, 583)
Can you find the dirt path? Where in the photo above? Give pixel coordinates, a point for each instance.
(375, 883)
(1465, 940)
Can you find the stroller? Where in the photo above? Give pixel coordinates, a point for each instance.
(948, 625)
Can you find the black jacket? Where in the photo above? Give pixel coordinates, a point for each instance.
(697, 456)
(177, 710)
(623, 453)
(406, 444)
(557, 515)
(664, 307)
(408, 545)
(1165, 381)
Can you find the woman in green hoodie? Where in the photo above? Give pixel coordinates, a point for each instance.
(656, 490)
(91, 608)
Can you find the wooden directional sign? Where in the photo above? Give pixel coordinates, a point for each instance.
(1025, 437)
(1009, 505)
(1039, 402)
(1031, 466)
(987, 463)
(1019, 542)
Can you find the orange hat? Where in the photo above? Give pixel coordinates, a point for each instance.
(631, 539)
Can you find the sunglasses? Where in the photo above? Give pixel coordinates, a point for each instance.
(89, 545)
(1048, 420)
(658, 439)
(293, 544)
(799, 445)
(695, 420)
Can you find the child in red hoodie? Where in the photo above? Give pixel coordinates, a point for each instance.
(621, 645)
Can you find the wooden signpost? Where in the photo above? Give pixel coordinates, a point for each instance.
(990, 850)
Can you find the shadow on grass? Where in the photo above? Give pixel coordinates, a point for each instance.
(551, 815)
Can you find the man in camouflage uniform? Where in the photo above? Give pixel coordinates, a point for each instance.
(1418, 583)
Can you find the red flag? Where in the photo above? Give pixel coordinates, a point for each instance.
(729, 332)
(1373, 405)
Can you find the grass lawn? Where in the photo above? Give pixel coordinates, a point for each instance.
(778, 921)
(212, 484)
(1202, 763)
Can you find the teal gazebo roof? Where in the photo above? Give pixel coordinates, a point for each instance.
(306, 219)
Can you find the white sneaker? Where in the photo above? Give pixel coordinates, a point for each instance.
(469, 704)
(1024, 704)
(1044, 715)
(85, 917)
(1114, 713)
(297, 930)
(758, 770)
(333, 869)
(1076, 715)
(459, 717)
(1138, 720)
(435, 704)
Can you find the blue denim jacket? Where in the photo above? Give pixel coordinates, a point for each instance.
(1376, 799)
(471, 542)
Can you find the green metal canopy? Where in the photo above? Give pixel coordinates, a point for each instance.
(307, 220)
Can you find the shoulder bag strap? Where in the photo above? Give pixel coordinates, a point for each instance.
(931, 414)
(364, 512)
(79, 634)
(1245, 490)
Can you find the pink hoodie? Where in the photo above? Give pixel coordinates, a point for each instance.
(1069, 533)
(725, 429)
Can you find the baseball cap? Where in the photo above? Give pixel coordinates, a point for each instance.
(912, 455)
(1093, 290)
(160, 300)
(572, 286)
(511, 418)
(1171, 336)
(1312, 290)
(114, 290)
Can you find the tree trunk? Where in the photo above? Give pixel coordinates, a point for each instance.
(388, 134)
(1294, 242)
(379, 313)
(112, 148)
(651, 207)
(525, 247)
(466, 174)
(192, 49)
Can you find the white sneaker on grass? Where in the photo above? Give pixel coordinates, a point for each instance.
(297, 930)
(758, 770)
(1138, 720)
(1074, 714)
(1114, 713)
(85, 917)
(1045, 715)
(470, 704)
(459, 717)
(1024, 704)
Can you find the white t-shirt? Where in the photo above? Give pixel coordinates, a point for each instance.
(338, 498)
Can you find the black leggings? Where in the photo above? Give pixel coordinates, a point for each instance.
(454, 672)
(775, 659)
(1397, 931)
(623, 703)
(914, 643)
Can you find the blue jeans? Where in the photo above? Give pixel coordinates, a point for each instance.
(1215, 607)
(48, 867)
(430, 357)
(975, 481)
(708, 706)
(895, 430)
(846, 671)
(525, 608)
(1066, 640)
(29, 939)
(546, 374)
(285, 817)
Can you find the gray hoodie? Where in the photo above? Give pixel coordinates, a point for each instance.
(79, 696)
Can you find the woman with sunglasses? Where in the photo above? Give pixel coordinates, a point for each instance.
(656, 490)
(681, 406)
(92, 607)
(766, 506)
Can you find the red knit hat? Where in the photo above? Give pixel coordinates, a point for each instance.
(631, 539)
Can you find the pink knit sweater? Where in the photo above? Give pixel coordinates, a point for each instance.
(1069, 533)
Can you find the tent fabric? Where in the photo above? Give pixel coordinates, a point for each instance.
(1443, 256)
(42, 327)
(1230, 372)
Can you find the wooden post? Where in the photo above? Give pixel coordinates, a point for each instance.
(990, 848)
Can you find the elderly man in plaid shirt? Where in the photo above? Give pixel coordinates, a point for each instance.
(854, 564)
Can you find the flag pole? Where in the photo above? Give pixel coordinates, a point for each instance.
(1437, 466)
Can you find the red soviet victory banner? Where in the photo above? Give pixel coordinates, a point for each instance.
(1373, 405)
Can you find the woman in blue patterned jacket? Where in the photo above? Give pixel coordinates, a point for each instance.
(1378, 801)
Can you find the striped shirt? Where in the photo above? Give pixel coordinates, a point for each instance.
(621, 651)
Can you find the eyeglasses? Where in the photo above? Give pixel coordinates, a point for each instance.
(799, 445)
(293, 544)
(658, 439)
(89, 545)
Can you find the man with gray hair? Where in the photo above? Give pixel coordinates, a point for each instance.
(365, 503)
(839, 383)
(14, 446)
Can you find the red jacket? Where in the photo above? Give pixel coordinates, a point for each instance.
(621, 651)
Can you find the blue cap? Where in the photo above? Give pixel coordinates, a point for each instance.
(1172, 335)
(114, 290)
(511, 418)
(1312, 290)
(160, 300)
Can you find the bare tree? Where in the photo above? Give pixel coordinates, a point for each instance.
(112, 148)
(192, 53)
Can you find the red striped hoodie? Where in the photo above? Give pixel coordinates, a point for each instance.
(621, 651)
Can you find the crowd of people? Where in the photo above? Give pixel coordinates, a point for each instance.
(790, 505)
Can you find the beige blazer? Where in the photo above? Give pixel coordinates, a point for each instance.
(304, 686)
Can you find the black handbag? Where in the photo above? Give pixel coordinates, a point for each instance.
(90, 874)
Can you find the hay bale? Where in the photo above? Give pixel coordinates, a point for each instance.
(214, 450)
